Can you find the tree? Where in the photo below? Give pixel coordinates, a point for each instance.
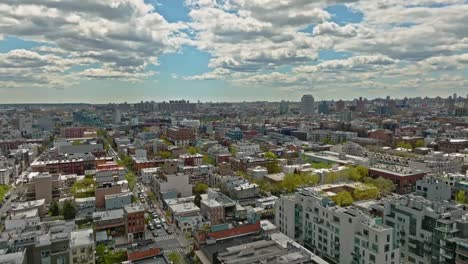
(105, 256)
(54, 209)
(200, 188)
(270, 155)
(385, 186)
(310, 179)
(84, 188)
(368, 193)
(207, 160)
(68, 210)
(419, 143)
(331, 177)
(232, 150)
(460, 198)
(174, 257)
(151, 196)
(131, 179)
(192, 150)
(197, 200)
(165, 154)
(273, 167)
(404, 145)
(363, 171)
(290, 182)
(343, 198)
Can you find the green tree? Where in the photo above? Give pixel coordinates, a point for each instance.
(363, 171)
(460, 198)
(232, 150)
(385, 186)
(131, 179)
(343, 198)
(174, 257)
(68, 210)
(273, 167)
(270, 155)
(419, 143)
(290, 182)
(164, 154)
(207, 160)
(3, 191)
(310, 179)
(200, 188)
(368, 193)
(192, 150)
(105, 256)
(151, 196)
(54, 209)
(331, 177)
(404, 145)
(84, 188)
(197, 200)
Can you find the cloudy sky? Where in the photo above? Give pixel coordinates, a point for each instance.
(230, 50)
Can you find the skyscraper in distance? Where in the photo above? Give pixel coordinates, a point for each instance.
(307, 104)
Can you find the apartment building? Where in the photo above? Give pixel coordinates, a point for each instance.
(426, 231)
(181, 135)
(333, 137)
(248, 149)
(135, 222)
(434, 189)
(82, 246)
(439, 163)
(336, 234)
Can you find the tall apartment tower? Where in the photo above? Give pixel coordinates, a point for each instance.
(307, 104)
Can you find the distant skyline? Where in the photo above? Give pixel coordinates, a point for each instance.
(101, 51)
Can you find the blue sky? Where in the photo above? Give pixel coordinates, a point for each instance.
(233, 50)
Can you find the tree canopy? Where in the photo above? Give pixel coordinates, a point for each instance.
(343, 198)
(54, 209)
(131, 179)
(164, 154)
(200, 188)
(68, 210)
(106, 256)
(404, 145)
(270, 155)
(460, 197)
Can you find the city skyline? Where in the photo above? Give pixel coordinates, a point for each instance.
(230, 51)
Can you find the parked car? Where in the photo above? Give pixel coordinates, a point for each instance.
(169, 231)
(163, 220)
(158, 226)
(151, 227)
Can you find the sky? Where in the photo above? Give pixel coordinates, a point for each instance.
(100, 51)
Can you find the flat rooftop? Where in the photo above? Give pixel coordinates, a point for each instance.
(79, 238)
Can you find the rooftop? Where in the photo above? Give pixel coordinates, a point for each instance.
(81, 238)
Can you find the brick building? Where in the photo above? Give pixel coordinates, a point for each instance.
(180, 135)
(134, 222)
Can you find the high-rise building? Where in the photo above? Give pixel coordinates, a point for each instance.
(307, 104)
(340, 106)
(323, 108)
(284, 107)
(117, 116)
